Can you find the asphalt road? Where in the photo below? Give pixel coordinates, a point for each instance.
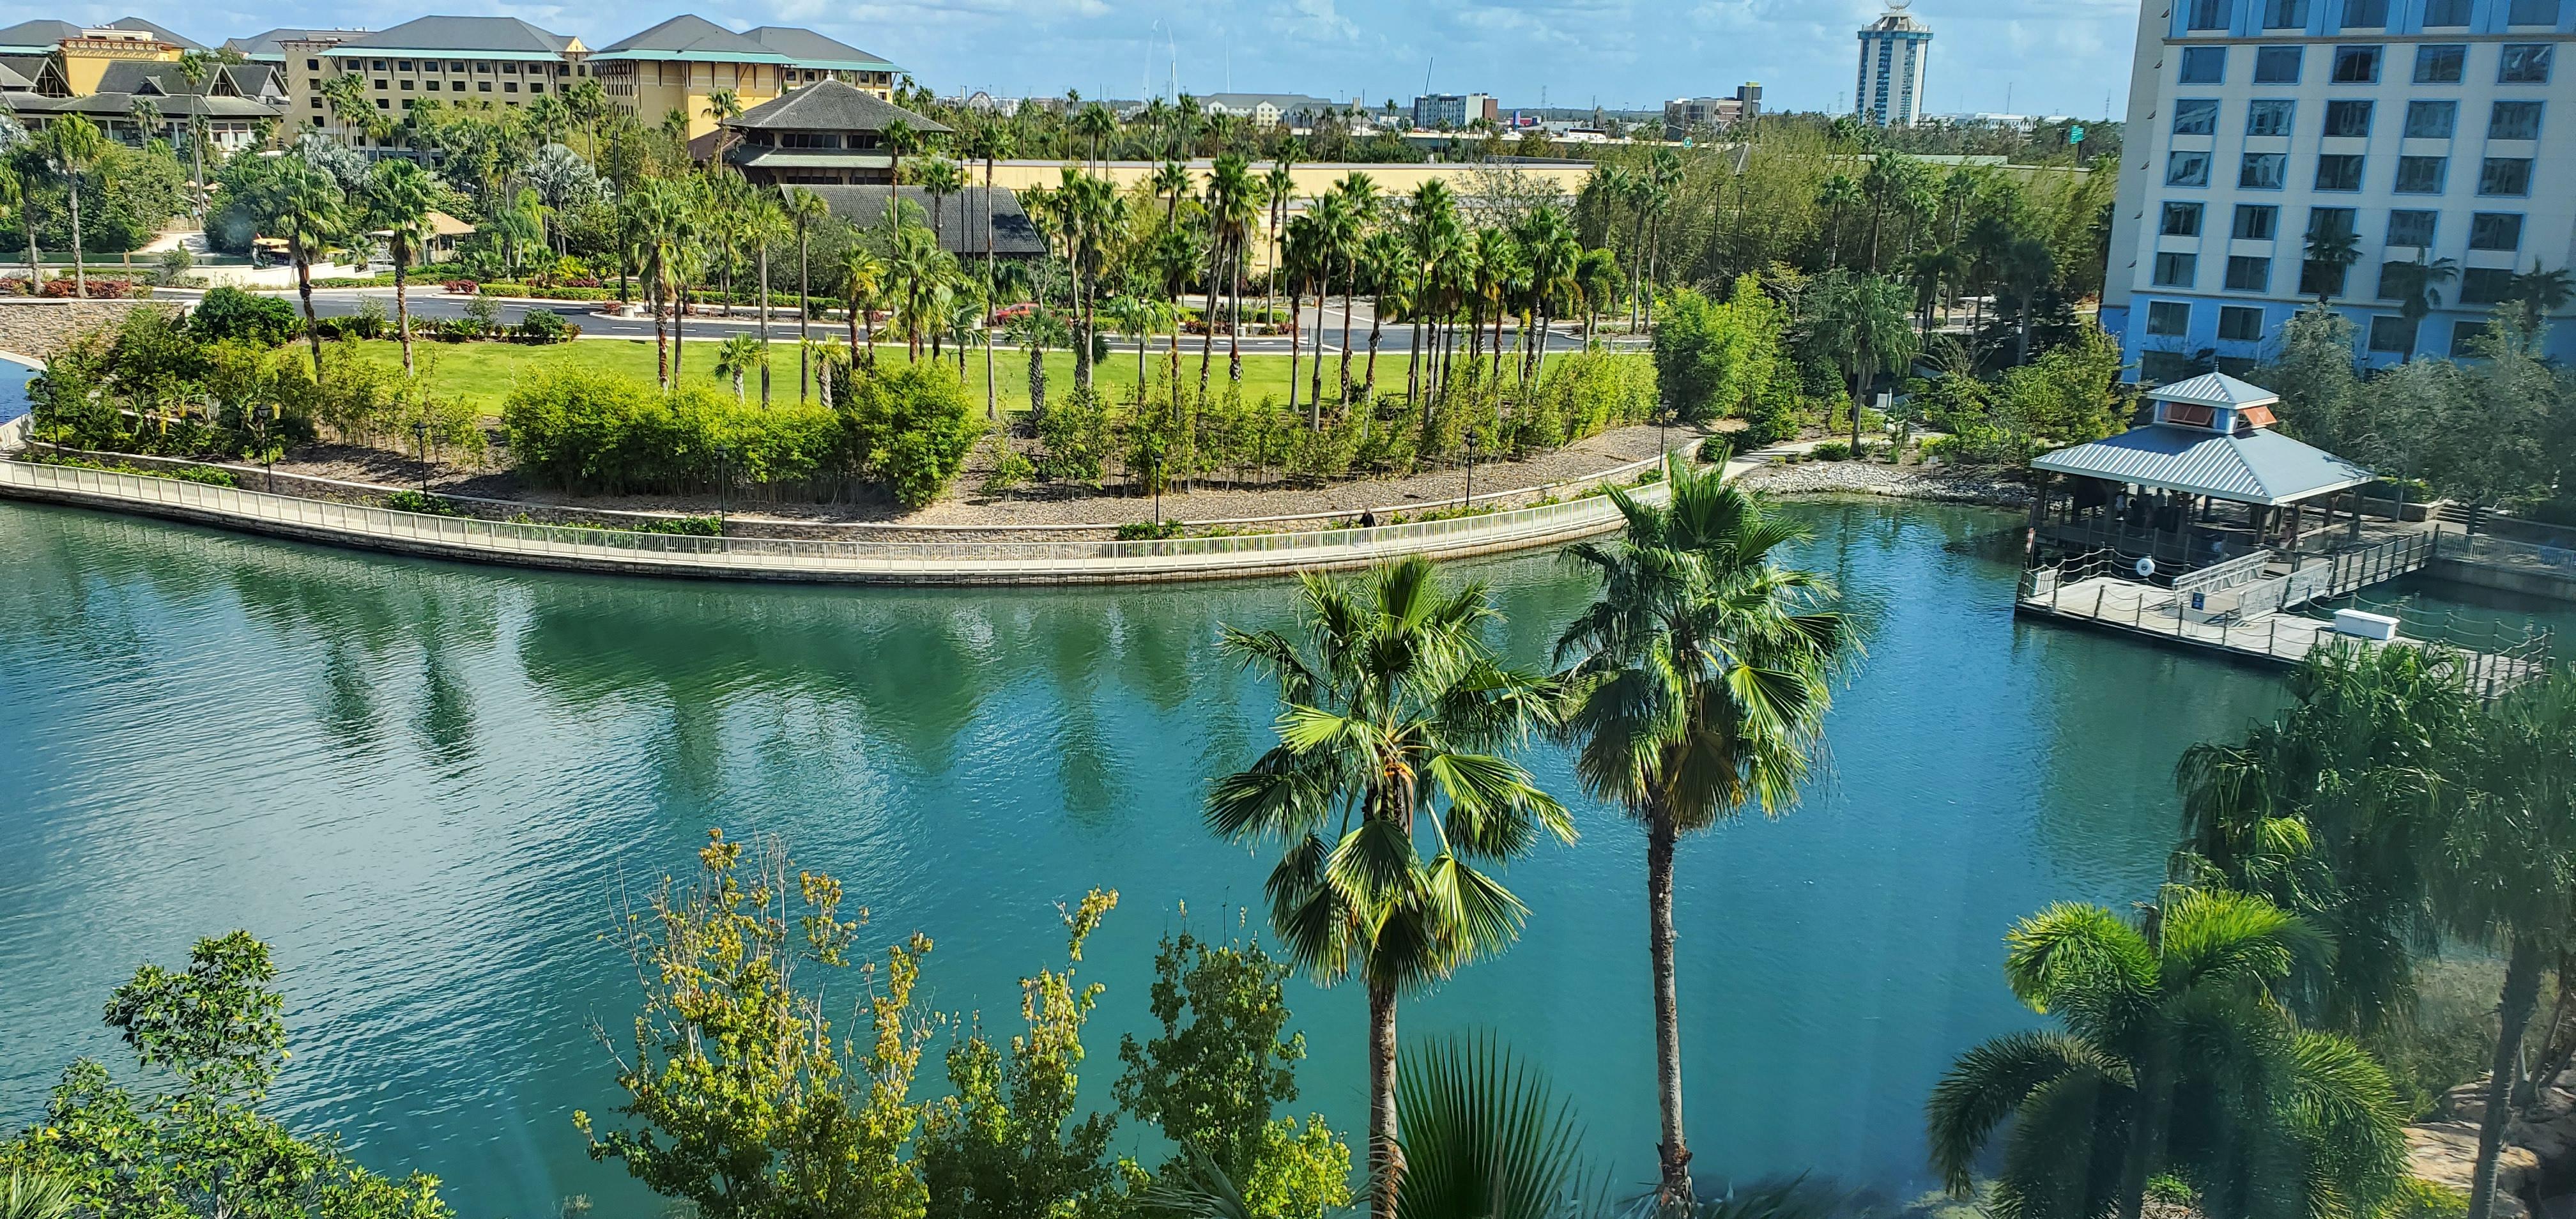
(431, 302)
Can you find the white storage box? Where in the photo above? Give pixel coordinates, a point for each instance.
(2368, 626)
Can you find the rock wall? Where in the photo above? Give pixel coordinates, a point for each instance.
(34, 326)
(2537, 1160)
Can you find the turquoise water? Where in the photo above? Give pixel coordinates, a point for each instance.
(425, 783)
(13, 389)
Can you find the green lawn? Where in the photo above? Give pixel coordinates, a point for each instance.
(482, 373)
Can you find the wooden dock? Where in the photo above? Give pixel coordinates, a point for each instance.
(2244, 613)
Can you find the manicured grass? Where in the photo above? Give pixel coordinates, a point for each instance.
(482, 373)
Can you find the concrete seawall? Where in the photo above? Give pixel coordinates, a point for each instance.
(623, 552)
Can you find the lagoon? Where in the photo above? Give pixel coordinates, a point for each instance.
(425, 784)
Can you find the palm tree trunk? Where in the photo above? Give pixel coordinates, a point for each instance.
(764, 323)
(1296, 342)
(1207, 319)
(2146, 1150)
(661, 330)
(1386, 1157)
(1234, 320)
(402, 301)
(80, 274)
(679, 327)
(2521, 995)
(1315, 389)
(1377, 329)
(1350, 282)
(804, 312)
(1673, 1195)
(303, 289)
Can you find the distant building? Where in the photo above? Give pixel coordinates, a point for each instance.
(1452, 110)
(826, 133)
(1268, 109)
(125, 78)
(270, 46)
(452, 60)
(1894, 51)
(684, 62)
(964, 221)
(1683, 114)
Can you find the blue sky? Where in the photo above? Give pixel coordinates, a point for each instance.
(2047, 56)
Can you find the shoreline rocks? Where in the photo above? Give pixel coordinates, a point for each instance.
(1936, 483)
(2537, 1161)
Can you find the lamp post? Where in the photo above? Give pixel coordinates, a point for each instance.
(259, 416)
(724, 479)
(1470, 501)
(420, 436)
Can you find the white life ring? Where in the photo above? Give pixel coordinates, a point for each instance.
(2145, 567)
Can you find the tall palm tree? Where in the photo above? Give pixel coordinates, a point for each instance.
(1698, 684)
(1301, 250)
(1661, 185)
(1169, 182)
(1232, 203)
(664, 218)
(1394, 713)
(72, 146)
(304, 208)
(722, 105)
(1358, 194)
(764, 221)
(739, 354)
(1837, 194)
(2536, 294)
(1094, 122)
(805, 209)
(2173, 1060)
(2329, 252)
(196, 67)
(862, 277)
(15, 205)
(1548, 243)
(397, 199)
(2508, 872)
(1382, 265)
(1864, 321)
(1279, 189)
(942, 180)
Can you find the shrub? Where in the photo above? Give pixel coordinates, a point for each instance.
(230, 313)
(100, 287)
(1832, 450)
(421, 502)
(911, 428)
(686, 526)
(546, 326)
(1715, 449)
(174, 266)
(1148, 531)
(462, 287)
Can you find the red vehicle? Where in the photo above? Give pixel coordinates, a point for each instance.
(1008, 313)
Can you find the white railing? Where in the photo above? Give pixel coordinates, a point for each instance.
(2488, 550)
(965, 560)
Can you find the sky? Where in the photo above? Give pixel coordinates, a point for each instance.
(2025, 56)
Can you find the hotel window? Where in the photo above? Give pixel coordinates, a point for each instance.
(2411, 229)
(2276, 65)
(2175, 270)
(2240, 323)
(510, 69)
(2445, 14)
(2256, 221)
(483, 86)
(2495, 231)
(2514, 121)
(2431, 120)
(407, 84)
(2420, 175)
(312, 65)
(2207, 15)
(2187, 169)
(2485, 285)
(2268, 117)
(2523, 63)
(381, 83)
(2441, 64)
(2196, 116)
(2338, 171)
(2325, 220)
(377, 65)
(2465, 336)
(2365, 14)
(2356, 65)
(455, 65)
(2348, 119)
(402, 65)
(2531, 12)
(2203, 65)
(2391, 334)
(2285, 14)
(536, 86)
(2248, 274)
(2263, 171)
(2168, 319)
(433, 86)
(2181, 219)
(2510, 176)
(509, 86)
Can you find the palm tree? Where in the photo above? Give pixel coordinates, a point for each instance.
(1394, 709)
(1302, 250)
(664, 218)
(397, 199)
(862, 275)
(73, 146)
(1662, 180)
(805, 209)
(195, 67)
(1484, 1135)
(942, 180)
(1359, 211)
(1231, 208)
(304, 208)
(15, 205)
(2173, 1060)
(1095, 123)
(2329, 251)
(2417, 286)
(739, 354)
(1547, 240)
(1698, 685)
(920, 273)
(1169, 182)
(1863, 319)
(2536, 294)
(2508, 870)
(722, 105)
(1381, 258)
(1839, 192)
(1279, 189)
(28, 1195)
(1596, 278)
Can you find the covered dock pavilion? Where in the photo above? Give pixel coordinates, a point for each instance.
(2205, 480)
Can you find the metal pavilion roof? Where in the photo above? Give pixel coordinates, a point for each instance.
(2259, 466)
(2214, 389)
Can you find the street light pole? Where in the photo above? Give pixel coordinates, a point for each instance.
(1470, 502)
(724, 480)
(420, 434)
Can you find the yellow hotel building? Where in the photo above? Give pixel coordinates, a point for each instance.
(684, 62)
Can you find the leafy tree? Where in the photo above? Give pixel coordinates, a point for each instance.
(227, 313)
(1699, 686)
(1213, 1080)
(744, 1102)
(2494, 443)
(2312, 370)
(1006, 1143)
(212, 1036)
(1394, 710)
(2173, 1061)
(912, 427)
